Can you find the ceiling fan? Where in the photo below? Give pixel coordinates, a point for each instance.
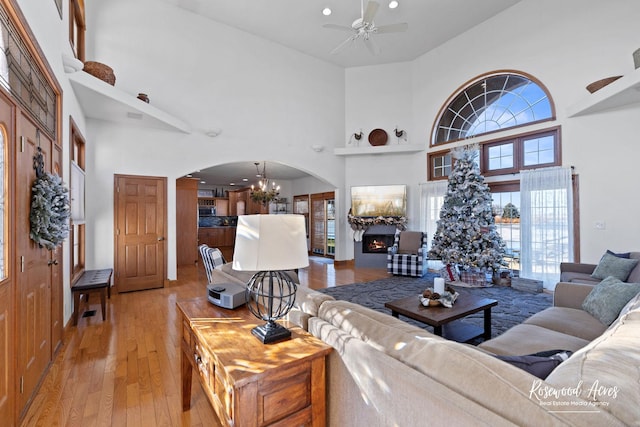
(364, 27)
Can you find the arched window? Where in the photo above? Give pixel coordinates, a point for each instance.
(490, 103)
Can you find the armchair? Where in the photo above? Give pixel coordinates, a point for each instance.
(408, 255)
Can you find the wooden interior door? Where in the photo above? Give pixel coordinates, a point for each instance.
(33, 268)
(140, 229)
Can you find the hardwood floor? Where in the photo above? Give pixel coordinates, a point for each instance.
(126, 371)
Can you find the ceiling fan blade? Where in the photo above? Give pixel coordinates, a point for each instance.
(370, 12)
(343, 44)
(372, 46)
(338, 27)
(392, 28)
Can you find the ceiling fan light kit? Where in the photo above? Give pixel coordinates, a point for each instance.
(364, 28)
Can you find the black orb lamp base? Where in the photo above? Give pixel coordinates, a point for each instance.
(271, 332)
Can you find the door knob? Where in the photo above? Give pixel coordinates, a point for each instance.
(160, 239)
(52, 262)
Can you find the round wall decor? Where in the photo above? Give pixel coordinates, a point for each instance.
(378, 137)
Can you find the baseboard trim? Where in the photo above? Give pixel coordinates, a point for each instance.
(344, 263)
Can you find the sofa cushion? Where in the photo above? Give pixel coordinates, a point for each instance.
(608, 297)
(409, 242)
(571, 321)
(383, 332)
(607, 369)
(529, 339)
(575, 277)
(611, 265)
(490, 382)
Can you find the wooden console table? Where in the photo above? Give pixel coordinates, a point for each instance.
(249, 383)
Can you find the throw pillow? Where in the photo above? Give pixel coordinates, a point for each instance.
(620, 255)
(539, 364)
(409, 242)
(608, 297)
(611, 265)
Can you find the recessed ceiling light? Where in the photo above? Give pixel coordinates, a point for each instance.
(189, 175)
(203, 182)
(326, 11)
(393, 4)
(232, 183)
(245, 179)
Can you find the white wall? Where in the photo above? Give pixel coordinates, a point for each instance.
(211, 76)
(566, 45)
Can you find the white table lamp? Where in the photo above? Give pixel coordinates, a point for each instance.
(270, 244)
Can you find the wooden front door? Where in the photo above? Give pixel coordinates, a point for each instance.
(33, 267)
(7, 314)
(140, 229)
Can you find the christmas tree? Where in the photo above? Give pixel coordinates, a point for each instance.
(466, 235)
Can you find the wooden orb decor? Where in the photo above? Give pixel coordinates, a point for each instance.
(595, 86)
(101, 71)
(378, 137)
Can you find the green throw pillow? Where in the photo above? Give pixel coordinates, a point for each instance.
(611, 265)
(608, 297)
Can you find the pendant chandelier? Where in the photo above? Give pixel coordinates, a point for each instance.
(267, 191)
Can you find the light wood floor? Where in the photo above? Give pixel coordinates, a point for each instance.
(126, 371)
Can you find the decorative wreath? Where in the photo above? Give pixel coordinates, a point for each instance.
(50, 211)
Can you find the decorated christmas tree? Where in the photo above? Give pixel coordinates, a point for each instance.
(466, 235)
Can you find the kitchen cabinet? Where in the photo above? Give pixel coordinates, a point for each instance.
(187, 221)
(222, 238)
(219, 206)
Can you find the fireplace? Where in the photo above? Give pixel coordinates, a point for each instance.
(371, 251)
(376, 243)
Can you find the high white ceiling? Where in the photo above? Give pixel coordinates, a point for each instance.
(298, 24)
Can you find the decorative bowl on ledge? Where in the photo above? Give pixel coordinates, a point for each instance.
(101, 71)
(597, 85)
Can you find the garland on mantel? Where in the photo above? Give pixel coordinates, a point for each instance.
(362, 223)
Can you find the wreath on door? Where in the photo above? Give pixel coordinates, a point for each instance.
(50, 210)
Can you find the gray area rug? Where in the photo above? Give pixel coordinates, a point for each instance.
(513, 307)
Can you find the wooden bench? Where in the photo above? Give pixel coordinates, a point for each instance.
(92, 281)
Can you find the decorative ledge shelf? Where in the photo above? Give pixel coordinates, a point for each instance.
(102, 101)
(380, 149)
(624, 91)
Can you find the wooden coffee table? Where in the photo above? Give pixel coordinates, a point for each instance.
(443, 319)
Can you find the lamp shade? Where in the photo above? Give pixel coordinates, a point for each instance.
(270, 243)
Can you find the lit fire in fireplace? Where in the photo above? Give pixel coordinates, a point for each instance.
(377, 245)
